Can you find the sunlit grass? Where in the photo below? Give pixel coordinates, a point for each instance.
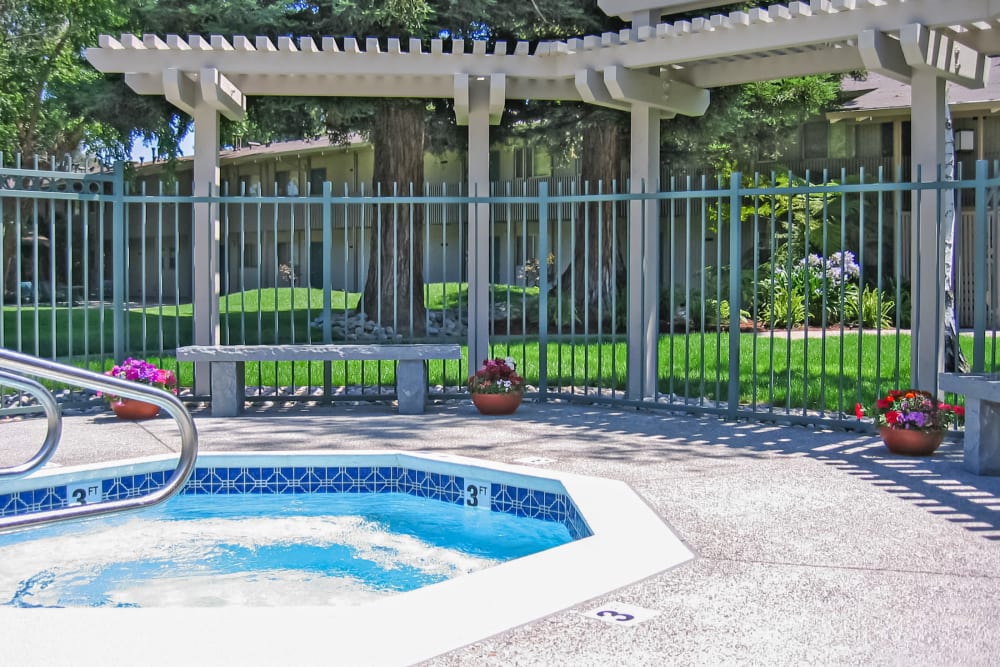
(829, 373)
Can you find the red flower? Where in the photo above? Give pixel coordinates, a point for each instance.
(892, 416)
(959, 410)
(859, 411)
(884, 403)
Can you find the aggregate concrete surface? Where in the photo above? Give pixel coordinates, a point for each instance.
(812, 546)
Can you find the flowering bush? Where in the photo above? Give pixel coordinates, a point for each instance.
(143, 372)
(792, 288)
(915, 410)
(496, 376)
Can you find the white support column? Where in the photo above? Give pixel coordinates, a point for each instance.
(643, 254)
(205, 237)
(479, 220)
(928, 129)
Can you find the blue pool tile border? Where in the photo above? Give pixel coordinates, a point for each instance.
(237, 480)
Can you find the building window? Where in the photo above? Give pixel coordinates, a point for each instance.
(281, 183)
(245, 186)
(494, 166)
(250, 255)
(814, 140)
(886, 139)
(528, 250)
(316, 179)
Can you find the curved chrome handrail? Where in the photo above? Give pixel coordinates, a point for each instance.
(52, 414)
(50, 370)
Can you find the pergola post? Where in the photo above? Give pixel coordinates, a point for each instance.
(205, 237)
(927, 315)
(643, 253)
(479, 103)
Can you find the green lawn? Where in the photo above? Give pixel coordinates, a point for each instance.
(830, 374)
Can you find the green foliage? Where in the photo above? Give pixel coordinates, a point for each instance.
(822, 292)
(42, 66)
(875, 309)
(805, 221)
(787, 309)
(744, 124)
(900, 293)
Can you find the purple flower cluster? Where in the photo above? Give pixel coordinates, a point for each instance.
(840, 267)
(143, 372)
(913, 420)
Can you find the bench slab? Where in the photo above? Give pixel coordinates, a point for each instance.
(981, 454)
(327, 352)
(228, 381)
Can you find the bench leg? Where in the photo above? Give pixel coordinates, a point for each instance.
(411, 386)
(228, 388)
(982, 437)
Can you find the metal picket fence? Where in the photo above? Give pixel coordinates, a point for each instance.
(779, 296)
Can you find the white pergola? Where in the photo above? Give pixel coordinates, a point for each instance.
(653, 70)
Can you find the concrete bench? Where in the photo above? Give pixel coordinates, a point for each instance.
(228, 382)
(982, 419)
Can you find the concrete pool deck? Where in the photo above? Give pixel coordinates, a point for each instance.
(811, 546)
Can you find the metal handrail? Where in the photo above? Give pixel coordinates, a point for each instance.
(52, 414)
(50, 370)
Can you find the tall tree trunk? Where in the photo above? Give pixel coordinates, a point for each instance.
(394, 288)
(598, 266)
(954, 358)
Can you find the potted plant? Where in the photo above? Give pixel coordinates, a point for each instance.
(913, 421)
(143, 372)
(496, 388)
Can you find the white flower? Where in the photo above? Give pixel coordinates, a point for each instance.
(510, 363)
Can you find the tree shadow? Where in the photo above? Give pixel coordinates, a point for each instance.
(646, 438)
(939, 484)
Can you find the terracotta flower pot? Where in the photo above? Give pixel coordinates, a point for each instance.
(497, 404)
(129, 408)
(911, 442)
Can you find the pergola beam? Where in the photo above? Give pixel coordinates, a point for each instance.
(673, 97)
(725, 49)
(180, 90)
(884, 54)
(221, 94)
(462, 94)
(938, 52)
(919, 48)
(592, 89)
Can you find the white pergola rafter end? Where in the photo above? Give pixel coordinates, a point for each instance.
(180, 89)
(928, 49)
(222, 94)
(463, 96)
(590, 85)
(669, 96)
(884, 54)
(498, 97)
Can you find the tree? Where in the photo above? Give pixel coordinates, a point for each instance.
(742, 125)
(747, 123)
(41, 65)
(393, 291)
(954, 358)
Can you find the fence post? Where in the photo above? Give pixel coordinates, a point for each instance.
(328, 281)
(118, 261)
(735, 252)
(980, 236)
(543, 288)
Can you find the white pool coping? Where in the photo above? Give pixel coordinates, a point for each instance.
(630, 542)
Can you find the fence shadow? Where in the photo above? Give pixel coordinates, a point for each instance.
(937, 483)
(644, 438)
